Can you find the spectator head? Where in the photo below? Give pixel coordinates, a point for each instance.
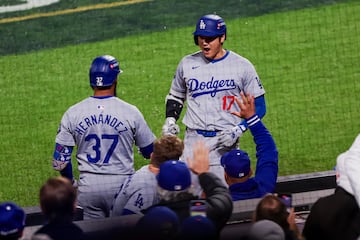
(159, 222)
(272, 208)
(236, 165)
(166, 148)
(12, 221)
(342, 179)
(58, 198)
(173, 179)
(198, 227)
(266, 230)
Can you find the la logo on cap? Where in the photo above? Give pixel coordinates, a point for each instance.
(202, 25)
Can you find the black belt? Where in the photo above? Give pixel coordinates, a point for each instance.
(206, 133)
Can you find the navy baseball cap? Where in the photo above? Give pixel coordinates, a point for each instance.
(236, 163)
(159, 222)
(174, 175)
(198, 227)
(12, 219)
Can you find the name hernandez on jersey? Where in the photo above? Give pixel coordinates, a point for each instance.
(106, 119)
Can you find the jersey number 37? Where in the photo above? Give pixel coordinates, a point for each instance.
(108, 140)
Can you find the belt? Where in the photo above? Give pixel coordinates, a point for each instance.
(207, 133)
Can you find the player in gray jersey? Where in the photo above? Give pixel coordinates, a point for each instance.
(104, 129)
(209, 80)
(139, 191)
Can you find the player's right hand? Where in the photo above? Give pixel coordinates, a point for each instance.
(170, 127)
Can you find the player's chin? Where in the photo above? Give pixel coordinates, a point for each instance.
(207, 53)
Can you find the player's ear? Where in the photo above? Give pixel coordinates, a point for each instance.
(222, 38)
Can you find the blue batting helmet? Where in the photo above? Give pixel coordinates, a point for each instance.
(104, 71)
(210, 25)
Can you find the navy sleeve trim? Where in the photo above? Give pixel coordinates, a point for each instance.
(146, 151)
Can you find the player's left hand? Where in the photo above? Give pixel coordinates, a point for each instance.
(170, 127)
(229, 137)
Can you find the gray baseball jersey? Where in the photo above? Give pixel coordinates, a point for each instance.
(209, 88)
(138, 193)
(104, 129)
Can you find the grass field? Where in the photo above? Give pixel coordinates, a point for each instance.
(307, 59)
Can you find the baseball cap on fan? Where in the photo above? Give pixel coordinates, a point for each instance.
(174, 175)
(12, 219)
(159, 222)
(198, 227)
(236, 163)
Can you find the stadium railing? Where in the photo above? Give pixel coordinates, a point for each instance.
(305, 190)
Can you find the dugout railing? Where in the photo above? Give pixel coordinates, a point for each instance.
(305, 189)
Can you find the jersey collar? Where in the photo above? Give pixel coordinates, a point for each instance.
(102, 97)
(218, 60)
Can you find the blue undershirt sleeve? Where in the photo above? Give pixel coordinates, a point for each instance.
(67, 172)
(146, 151)
(260, 110)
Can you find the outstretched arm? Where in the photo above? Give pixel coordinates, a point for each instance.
(219, 202)
(260, 109)
(200, 162)
(229, 137)
(266, 151)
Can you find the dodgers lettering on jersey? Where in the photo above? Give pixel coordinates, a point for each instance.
(210, 88)
(198, 88)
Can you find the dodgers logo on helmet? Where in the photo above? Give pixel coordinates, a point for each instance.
(103, 71)
(210, 25)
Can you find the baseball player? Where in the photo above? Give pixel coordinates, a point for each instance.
(139, 191)
(209, 80)
(104, 128)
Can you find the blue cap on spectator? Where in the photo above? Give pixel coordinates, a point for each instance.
(198, 227)
(174, 175)
(159, 222)
(12, 219)
(236, 163)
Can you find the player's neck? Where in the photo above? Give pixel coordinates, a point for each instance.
(103, 92)
(219, 55)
